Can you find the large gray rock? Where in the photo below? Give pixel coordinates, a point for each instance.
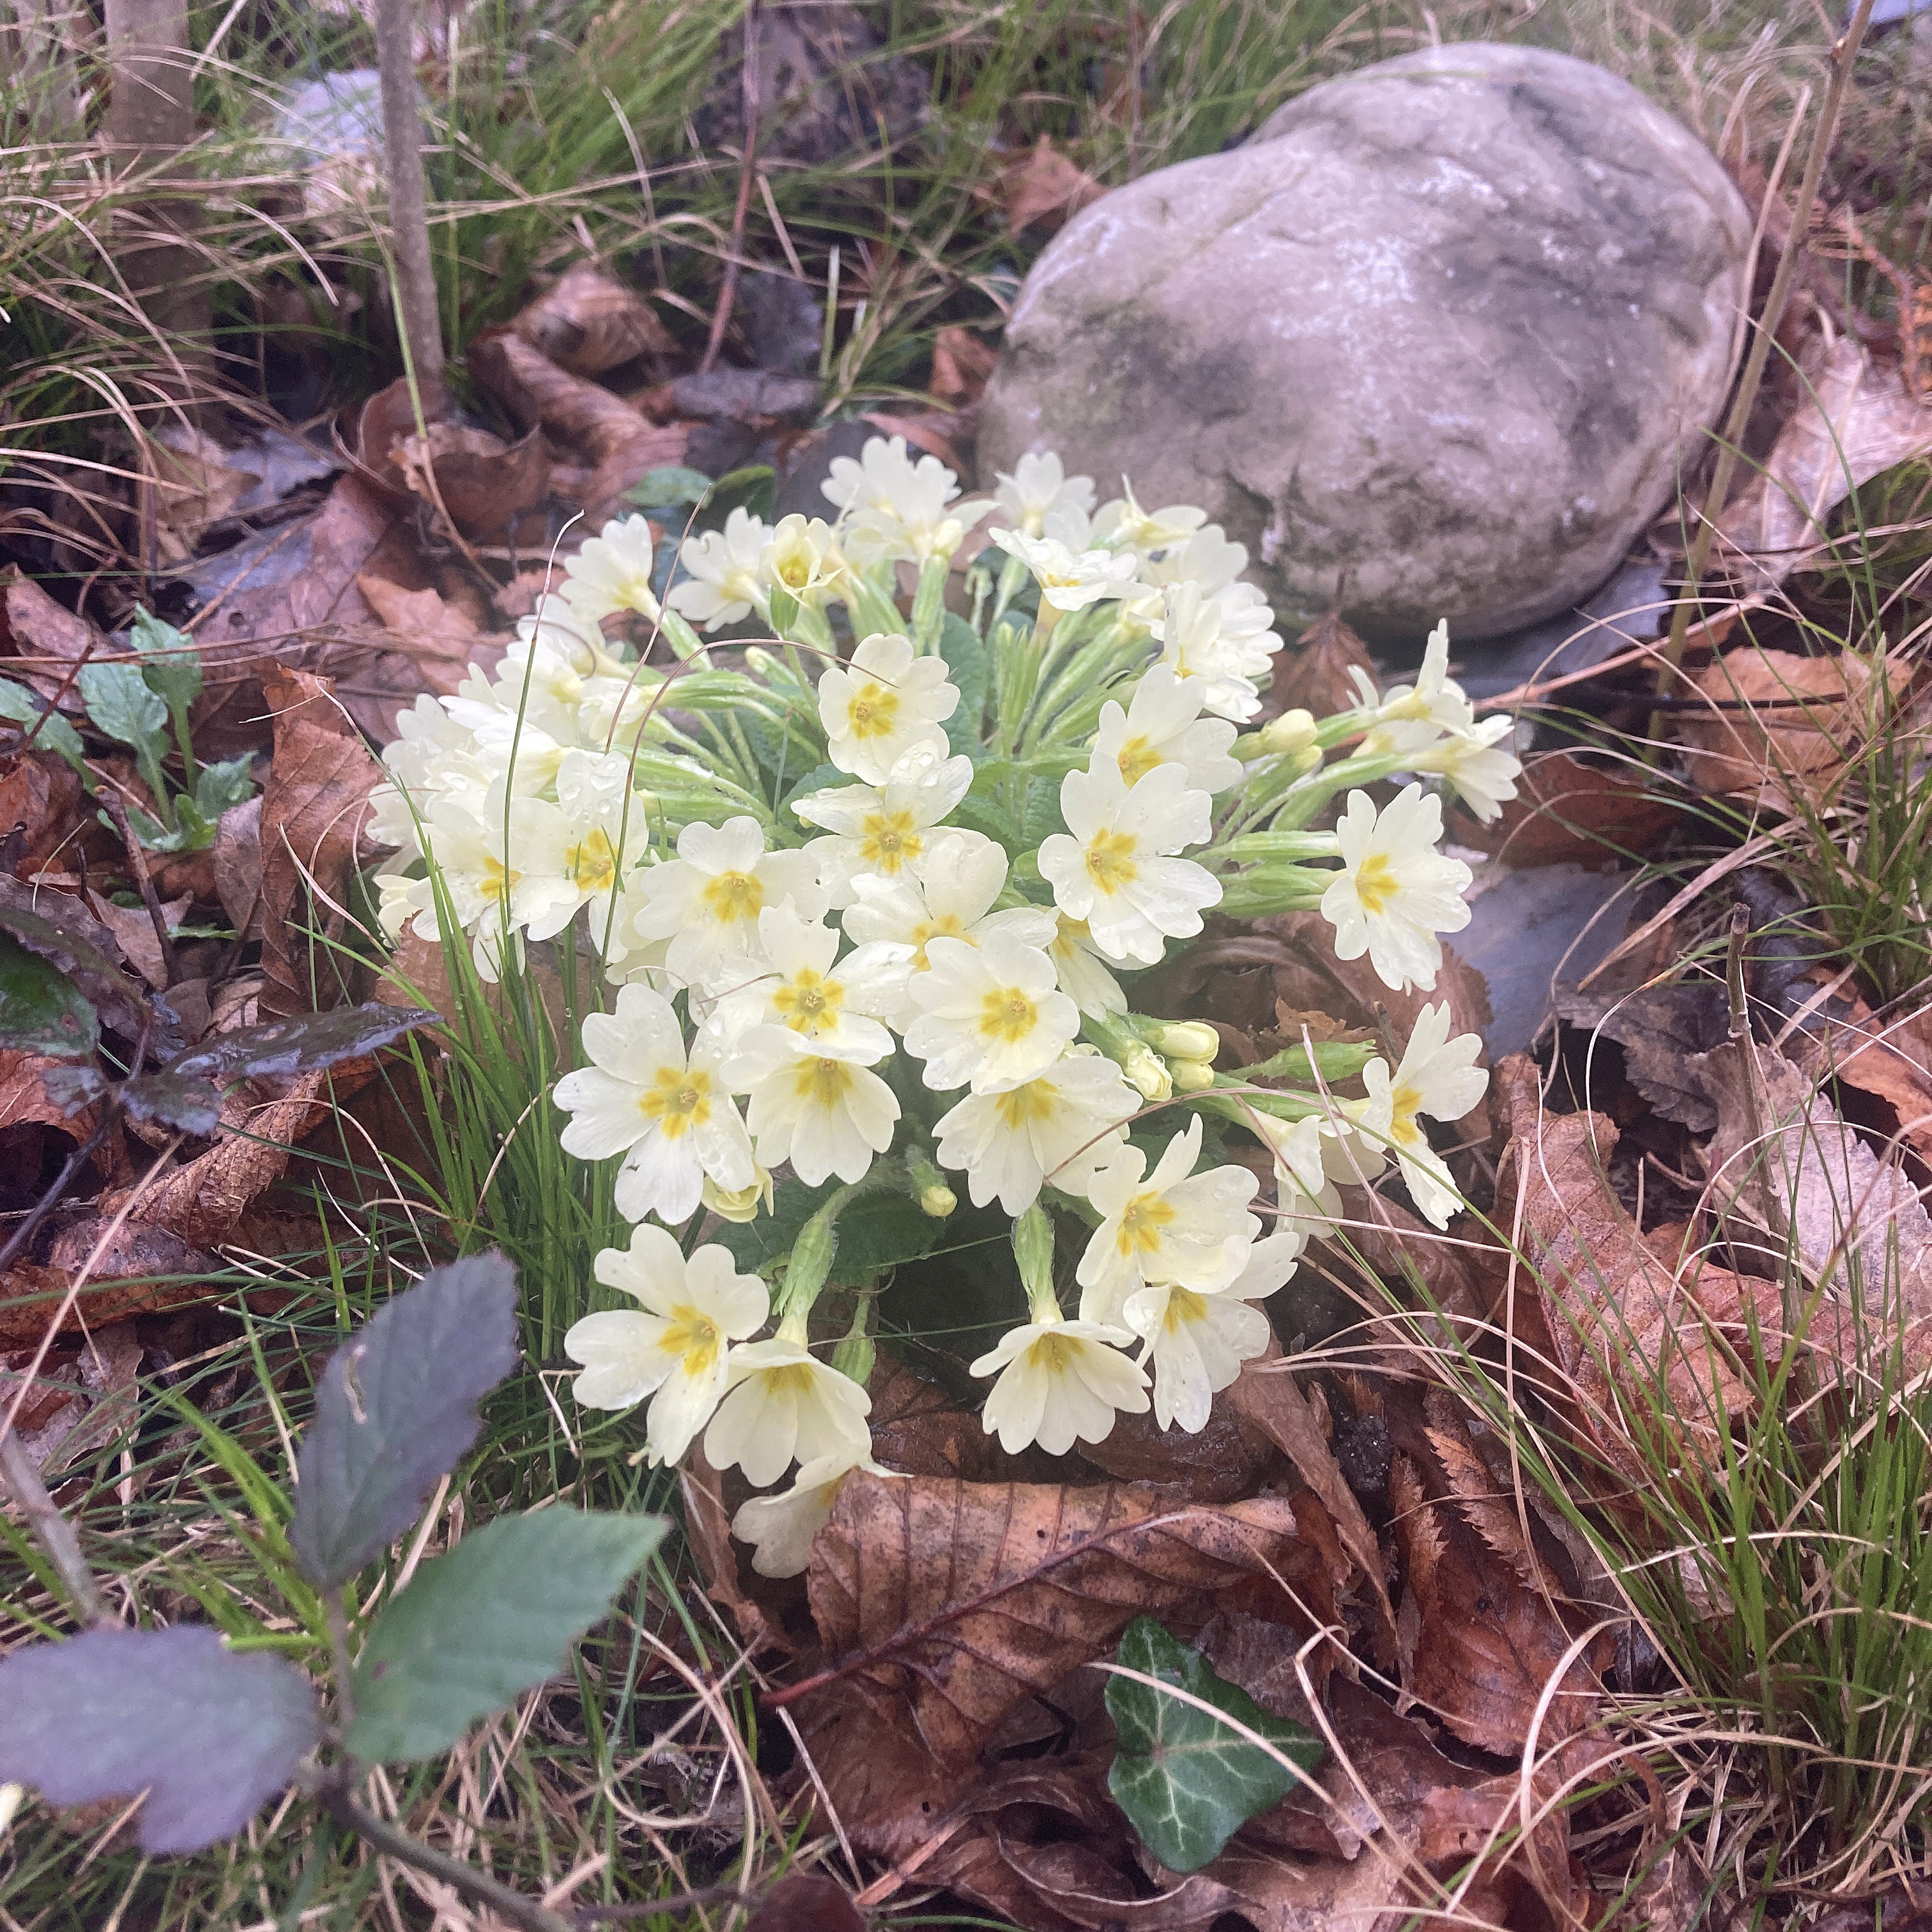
(1451, 324)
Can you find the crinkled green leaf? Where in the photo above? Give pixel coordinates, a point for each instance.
(119, 701)
(41, 1010)
(209, 1736)
(396, 1408)
(494, 1618)
(171, 665)
(56, 734)
(221, 786)
(1187, 1781)
(42, 923)
(670, 483)
(968, 667)
(875, 1232)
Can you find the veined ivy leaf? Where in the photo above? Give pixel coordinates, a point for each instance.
(396, 1408)
(494, 1618)
(1187, 1781)
(41, 1010)
(210, 1736)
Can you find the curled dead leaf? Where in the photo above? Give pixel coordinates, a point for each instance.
(1569, 808)
(587, 322)
(1044, 185)
(488, 486)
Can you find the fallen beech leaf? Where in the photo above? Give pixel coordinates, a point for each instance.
(40, 796)
(963, 361)
(966, 1598)
(430, 627)
(707, 1530)
(1664, 1030)
(588, 322)
(195, 488)
(313, 808)
(238, 866)
(488, 486)
(134, 930)
(1860, 420)
(1783, 1158)
(1801, 721)
(582, 414)
(806, 1902)
(141, 1270)
(1462, 1825)
(1569, 808)
(1314, 675)
(44, 639)
(1227, 1458)
(1044, 184)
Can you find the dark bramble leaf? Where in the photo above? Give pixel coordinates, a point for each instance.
(494, 1618)
(41, 1010)
(187, 1106)
(210, 1736)
(1187, 1781)
(303, 1044)
(39, 921)
(396, 1408)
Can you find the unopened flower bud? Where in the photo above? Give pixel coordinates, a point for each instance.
(1191, 1076)
(1188, 1039)
(1033, 1249)
(1148, 1072)
(930, 1190)
(1292, 731)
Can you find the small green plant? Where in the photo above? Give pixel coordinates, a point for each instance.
(210, 1732)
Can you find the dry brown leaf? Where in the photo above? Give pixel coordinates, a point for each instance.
(588, 322)
(1665, 1029)
(488, 486)
(1569, 809)
(1229, 1457)
(142, 1270)
(194, 488)
(134, 930)
(963, 361)
(423, 620)
(1045, 186)
(1784, 1158)
(584, 416)
(313, 808)
(707, 1530)
(1314, 675)
(1861, 420)
(44, 640)
(238, 866)
(964, 1598)
(40, 796)
(1779, 724)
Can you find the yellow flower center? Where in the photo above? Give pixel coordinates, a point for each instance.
(1007, 1014)
(1065, 936)
(873, 712)
(1136, 758)
(1053, 1353)
(1034, 1102)
(1406, 1102)
(947, 926)
(692, 1336)
(1145, 1216)
(677, 1101)
(888, 839)
(794, 1378)
(592, 864)
(499, 881)
(1375, 884)
(732, 897)
(1183, 1306)
(823, 1084)
(807, 1003)
(1109, 861)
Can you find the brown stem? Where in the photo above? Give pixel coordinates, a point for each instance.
(748, 168)
(53, 703)
(1844, 51)
(137, 863)
(419, 321)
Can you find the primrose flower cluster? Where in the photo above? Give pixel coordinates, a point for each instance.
(872, 910)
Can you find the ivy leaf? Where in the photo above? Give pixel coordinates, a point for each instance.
(210, 1736)
(42, 1011)
(396, 1408)
(494, 1618)
(171, 665)
(1187, 1781)
(966, 666)
(56, 734)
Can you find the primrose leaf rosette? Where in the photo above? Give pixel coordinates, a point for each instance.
(860, 934)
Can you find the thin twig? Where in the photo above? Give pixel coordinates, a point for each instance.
(53, 703)
(1844, 51)
(137, 863)
(478, 1887)
(419, 318)
(50, 1529)
(748, 168)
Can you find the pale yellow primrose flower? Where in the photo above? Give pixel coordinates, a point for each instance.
(1437, 1077)
(801, 558)
(612, 572)
(1082, 969)
(1484, 778)
(796, 985)
(1039, 487)
(813, 1102)
(1197, 1340)
(676, 1349)
(782, 1403)
(1124, 524)
(668, 1113)
(880, 830)
(1113, 869)
(1172, 1225)
(706, 901)
(780, 1529)
(887, 703)
(896, 510)
(1060, 1381)
(1223, 641)
(1434, 698)
(1060, 1125)
(1162, 724)
(1069, 580)
(990, 1016)
(1395, 891)
(722, 581)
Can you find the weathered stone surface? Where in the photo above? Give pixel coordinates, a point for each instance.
(1449, 325)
